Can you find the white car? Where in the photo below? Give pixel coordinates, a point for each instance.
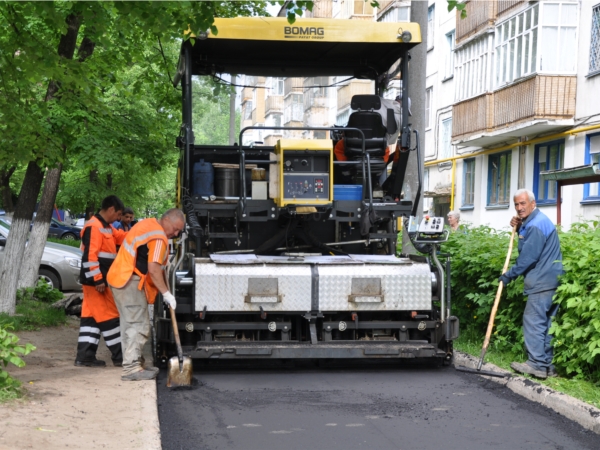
(60, 265)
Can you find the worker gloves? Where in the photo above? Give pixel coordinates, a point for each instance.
(169, 299)
(505, 280)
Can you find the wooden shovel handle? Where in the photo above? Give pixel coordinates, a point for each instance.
(176, 333)
(488, 333)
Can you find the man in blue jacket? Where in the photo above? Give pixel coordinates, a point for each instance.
(540, 261)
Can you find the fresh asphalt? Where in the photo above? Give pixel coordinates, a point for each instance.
(351, 406)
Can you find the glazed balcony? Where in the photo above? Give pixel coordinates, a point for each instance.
(345, 93)
(535, 105)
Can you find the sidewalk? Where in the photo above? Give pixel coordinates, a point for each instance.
(73, 407)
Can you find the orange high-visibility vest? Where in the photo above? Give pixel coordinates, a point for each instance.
(124, 266)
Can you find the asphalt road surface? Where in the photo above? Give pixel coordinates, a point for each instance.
(352, 407)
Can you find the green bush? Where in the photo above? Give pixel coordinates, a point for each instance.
(577, 328)
(478, 257)
(10, 353)
(477, 260)
(33, 309)
(71, 242)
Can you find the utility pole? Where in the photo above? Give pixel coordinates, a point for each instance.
(416, 92)
(232, 129)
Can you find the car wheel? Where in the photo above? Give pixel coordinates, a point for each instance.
(69, 236)
(49, 277)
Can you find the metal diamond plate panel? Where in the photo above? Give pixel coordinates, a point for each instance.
(403, 287)
(224, 287)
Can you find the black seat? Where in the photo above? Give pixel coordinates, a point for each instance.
(367, 119)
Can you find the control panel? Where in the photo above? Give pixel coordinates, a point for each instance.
(303, 175)
(306, 186)
(431, 225)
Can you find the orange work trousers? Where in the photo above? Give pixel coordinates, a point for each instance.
(99, 305)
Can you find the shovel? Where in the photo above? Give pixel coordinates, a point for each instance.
(490, 327)
(179, 367)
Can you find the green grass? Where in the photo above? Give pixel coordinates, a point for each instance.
(31, 315)
(71, 242)
(471, 343)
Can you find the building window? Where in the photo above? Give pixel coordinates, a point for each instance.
(548, 156)
(516, 46)
(450, 54)
(430, 26)
(468, 194)
(595, 41)
(446, 139)
(342, 118)
(314, 89)
(274, 86)
(559, 38)
(294, 108)
(591, 191)
(499, 179)
(472, 68)
(428, 95)
(248, 110)
(397, 14)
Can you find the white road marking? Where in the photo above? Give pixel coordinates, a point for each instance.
(372, 417)
(459, 393)
(281, 432)
(231, 426)
(440, 409)
(252, 425)
(331, 424)
(355, 424)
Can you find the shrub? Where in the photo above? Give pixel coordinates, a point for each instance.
(10, 353)
(577, 327)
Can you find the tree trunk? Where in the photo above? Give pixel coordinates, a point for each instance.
(6, 195)
(39, 232)
(17, 238)
(416, 92)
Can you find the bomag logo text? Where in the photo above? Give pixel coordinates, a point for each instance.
(304, 32)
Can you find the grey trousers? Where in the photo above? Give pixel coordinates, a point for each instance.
(135, 323)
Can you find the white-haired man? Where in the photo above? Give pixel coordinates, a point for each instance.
(540, 261)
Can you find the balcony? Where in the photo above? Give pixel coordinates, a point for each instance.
(480, 15)
(246, 94)
(506, 5)
(345, 93)
(274, 103)
(293, 85)
(535, 105)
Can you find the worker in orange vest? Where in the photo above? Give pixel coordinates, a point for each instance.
(99, 314)
(136, 277)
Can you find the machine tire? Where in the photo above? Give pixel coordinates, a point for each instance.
(49, 277)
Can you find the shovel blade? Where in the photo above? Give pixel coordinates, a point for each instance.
(177, 377)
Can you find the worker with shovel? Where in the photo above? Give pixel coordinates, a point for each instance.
(136, 277)
(540, 261)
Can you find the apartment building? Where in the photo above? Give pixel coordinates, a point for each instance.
(526, 91)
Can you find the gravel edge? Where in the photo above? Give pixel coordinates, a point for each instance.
(584, 414)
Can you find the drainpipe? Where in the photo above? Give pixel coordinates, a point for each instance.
(453, 185)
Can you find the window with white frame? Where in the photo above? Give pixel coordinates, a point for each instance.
(430, 26)
(472, 68)
(516, 46)
(595, 41)
(450, 54)
(396, 14)
(539, 39)
(548, 156)
(468, 194)
(445, 141)
(342, 117)
(499, 179)
(559, 38)
(591, 191)
(274, 86)
(248, 110)
(294, 108)
(428, 97)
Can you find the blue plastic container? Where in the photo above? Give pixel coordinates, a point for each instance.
(204, 179)
(347, 192)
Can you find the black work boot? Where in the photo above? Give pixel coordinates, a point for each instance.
(91, 363)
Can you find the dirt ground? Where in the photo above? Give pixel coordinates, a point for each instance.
(76, 407)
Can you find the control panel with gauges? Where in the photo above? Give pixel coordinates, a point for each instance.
(302, 175)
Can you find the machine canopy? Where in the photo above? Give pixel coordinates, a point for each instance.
(271, 46)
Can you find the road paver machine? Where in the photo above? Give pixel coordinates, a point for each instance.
(290, 250)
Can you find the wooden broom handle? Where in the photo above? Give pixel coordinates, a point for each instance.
(498, 293)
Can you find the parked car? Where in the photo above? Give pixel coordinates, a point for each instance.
(80, 222)
(61, 230)
(60, 263)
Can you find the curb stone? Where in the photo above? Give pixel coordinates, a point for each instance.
(584, 414)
